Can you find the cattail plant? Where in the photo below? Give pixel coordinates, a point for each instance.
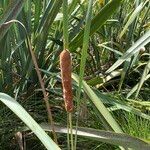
(65, 66)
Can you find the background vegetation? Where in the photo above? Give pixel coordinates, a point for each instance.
(111, 83)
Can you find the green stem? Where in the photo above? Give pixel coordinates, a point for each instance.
(68, 137)
(65, 24)
(71, 134)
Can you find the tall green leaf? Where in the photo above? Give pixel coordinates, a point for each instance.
(84, 55)
(11, 13)
(97, 22)
(131, 19)
(145, 39)
(99, 105)
(134, 89)
(144, 76)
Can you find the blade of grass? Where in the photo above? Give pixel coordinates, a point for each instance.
(38, 7)
(29, 121)
(99, 105)
(84, 57)
(11, 13)
(104, 136)
(145, 39)
(106, 99)
(44, 27)
(124, 72)
(110, 49)
(102, 80)
(131, 19)
(134, 89)
(96, 23)
(144, 76)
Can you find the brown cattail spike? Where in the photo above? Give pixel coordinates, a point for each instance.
(65, 67)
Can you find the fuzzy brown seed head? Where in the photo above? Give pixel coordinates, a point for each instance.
(65, 66)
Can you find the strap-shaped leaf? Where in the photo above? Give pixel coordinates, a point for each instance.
(10, 14)
(29, 121)
(145, 39)
(97, 22)
(99, 105)
(119, 139)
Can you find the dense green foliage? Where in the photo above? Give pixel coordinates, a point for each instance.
(110, 55)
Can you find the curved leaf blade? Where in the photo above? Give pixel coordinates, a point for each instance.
(131, 19)
(29, 121)
(145, 39)
(99, 105)
(96, 23)
(11, 13)
(119, 139)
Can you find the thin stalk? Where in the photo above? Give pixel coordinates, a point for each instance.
(46, 100)
(71, 133)
(65, 24)
(83, 59)
(68, 137)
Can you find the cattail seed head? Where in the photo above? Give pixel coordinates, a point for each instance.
(65, 67)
